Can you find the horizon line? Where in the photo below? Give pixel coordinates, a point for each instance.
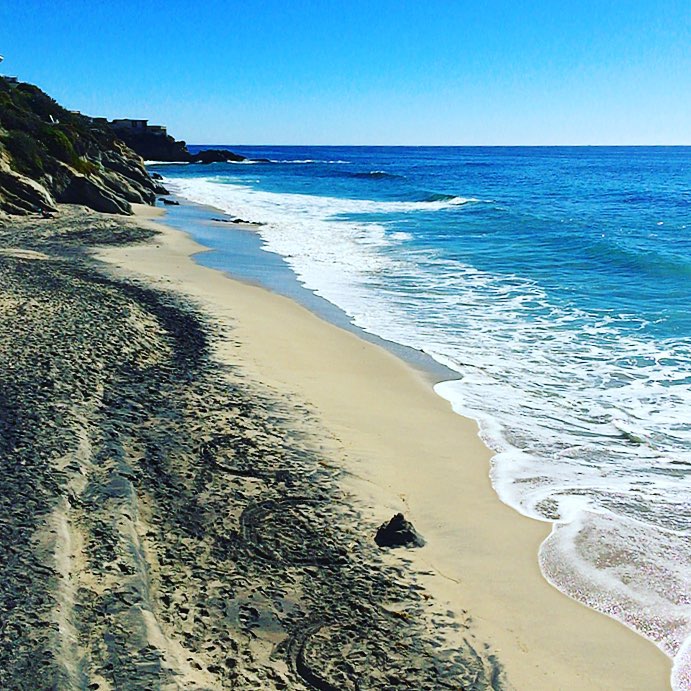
(464, 146)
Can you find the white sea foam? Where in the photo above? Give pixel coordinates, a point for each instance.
(628, 569)
(590, 421)
(304, 160)
(166, 163)
(250, 161)
(270, 207)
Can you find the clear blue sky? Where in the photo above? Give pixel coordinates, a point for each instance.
(366, 72)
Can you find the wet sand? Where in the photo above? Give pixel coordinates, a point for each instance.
(194, 469)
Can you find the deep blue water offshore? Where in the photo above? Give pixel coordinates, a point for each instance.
(556, 282)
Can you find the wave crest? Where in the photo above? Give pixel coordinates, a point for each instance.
(450, 199)
(377, 175)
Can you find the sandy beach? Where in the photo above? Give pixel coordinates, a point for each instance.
(404, 449)
(214, 462)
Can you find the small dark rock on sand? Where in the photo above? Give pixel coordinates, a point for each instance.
(398, 533)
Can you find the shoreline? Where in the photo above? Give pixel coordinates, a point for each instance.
(171, 518)
(281, 280)
(404, 449)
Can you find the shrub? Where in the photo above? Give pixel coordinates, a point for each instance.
(58, 144)
(26, 152)
(32, 99)
(14, 119)
(83, 166)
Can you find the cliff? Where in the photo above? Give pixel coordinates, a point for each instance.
(50, 155)
(154, 146)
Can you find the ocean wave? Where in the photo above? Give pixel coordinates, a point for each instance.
(215, 191)
(452, 199)
(662, 260)
(376, 175)
(306, 160)
(166, 163)
(252, 161)
(634, 573)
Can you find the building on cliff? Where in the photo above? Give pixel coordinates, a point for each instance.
(136, 126)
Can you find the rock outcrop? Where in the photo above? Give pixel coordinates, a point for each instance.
(398, 533)
(81, 189)
(215, 156)
(50, 155)
(20, 194)
(155, 146)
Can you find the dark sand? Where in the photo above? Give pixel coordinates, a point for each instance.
(166, 522)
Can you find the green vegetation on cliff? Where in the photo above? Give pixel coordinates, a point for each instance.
(49, 154)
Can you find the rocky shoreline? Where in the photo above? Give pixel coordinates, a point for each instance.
(50, 155)
(168, 522)
(153, 143)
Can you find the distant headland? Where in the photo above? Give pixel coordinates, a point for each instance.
(153, 143)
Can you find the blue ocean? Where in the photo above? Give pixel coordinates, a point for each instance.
(555, 283)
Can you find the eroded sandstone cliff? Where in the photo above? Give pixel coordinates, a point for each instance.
(50, 155)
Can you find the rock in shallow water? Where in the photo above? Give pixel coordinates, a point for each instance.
(398, 533)
(215, 156)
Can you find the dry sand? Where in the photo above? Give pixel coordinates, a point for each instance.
(404, 449)
(168, 519)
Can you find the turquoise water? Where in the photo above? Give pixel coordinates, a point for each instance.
(556, 283)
